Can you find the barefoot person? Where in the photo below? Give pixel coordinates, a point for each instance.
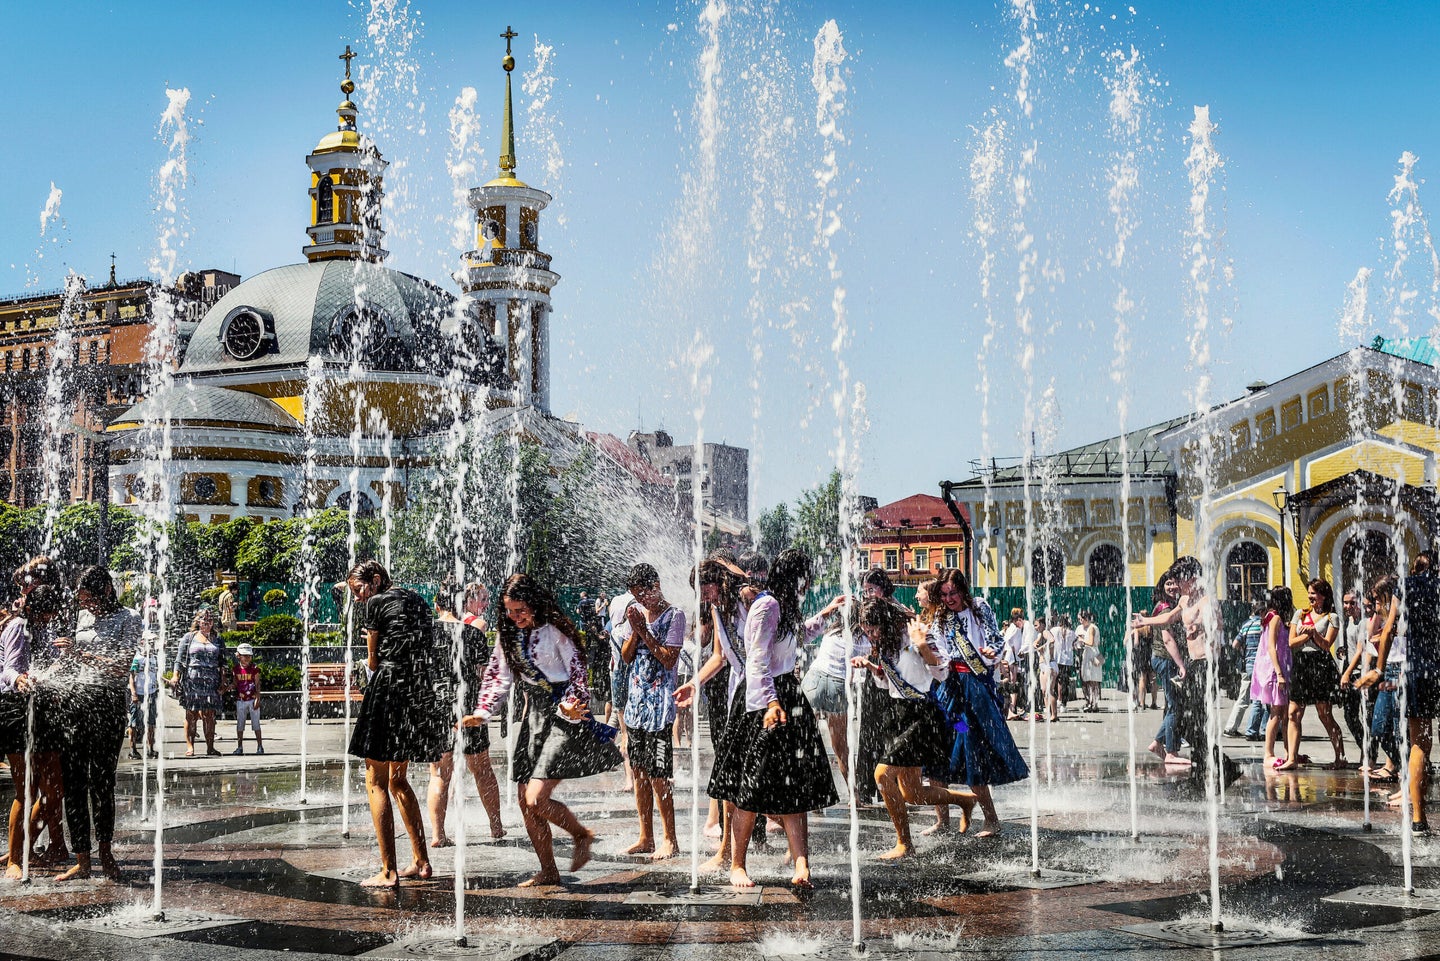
(397, 723)
(905, 664)
(1270, 680)
(105, 636)
(17, 687)
(984, 752)
(720, 585)
(558, 738)
(776, 751)
(651, 638)
(465, 652)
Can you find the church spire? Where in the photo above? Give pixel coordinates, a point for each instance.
(507, 176)
(346, 188)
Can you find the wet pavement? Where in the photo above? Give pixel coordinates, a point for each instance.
(250, 871)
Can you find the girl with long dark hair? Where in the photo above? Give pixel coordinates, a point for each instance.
(558, 739)
(399, 719)
(1317, 679)
(905, 664)
(775, 754)
(984, 752)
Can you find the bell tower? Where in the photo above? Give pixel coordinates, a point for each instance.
(346, 188)
(506, 281)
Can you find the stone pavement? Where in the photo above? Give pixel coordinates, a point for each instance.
(249, 871)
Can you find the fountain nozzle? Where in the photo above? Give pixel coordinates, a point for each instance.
(1035, 873)
(462, 942)
(1217, 927)
(158, 917)
(858, 948)
(1367, 826)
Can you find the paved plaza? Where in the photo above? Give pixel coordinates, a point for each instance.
(251, 872)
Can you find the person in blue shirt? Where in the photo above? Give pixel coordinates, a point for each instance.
(1247, 641)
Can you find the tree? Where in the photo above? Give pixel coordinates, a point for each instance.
(776, 527)
(817, 526)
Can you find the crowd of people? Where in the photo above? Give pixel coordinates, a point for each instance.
(914, 701)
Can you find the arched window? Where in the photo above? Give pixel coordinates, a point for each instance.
(1364, 557)
(364, 506)
(1106, 567)
(325, 201)
(1047, 567)
(1247, 571)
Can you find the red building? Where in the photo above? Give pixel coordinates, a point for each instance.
(916, 536)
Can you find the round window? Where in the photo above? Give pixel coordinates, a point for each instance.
(206, 488)
(266, 490)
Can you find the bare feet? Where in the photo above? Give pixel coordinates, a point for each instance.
(1157, 749)
(497, 831)
(442, 842)
(801, 880)
(420, 871)
(739, 879)
(540, 879)
(990, 829)
(13, 873)
(385, 879)
(111, 869)
(666, 849)
(937, 827)
(76, 872)
(712, 830)
(1175, 760)
(717, 863)
(581, 855)
(966, 807)
(894, 854)
(642, 846)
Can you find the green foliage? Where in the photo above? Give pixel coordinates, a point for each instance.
(326, 639)
(275, 597)
(233, 639)
(211, 594)
(276, 629)
(268, 552)
(776, 529)
(817, 526)
(76, 543)
(278, 677)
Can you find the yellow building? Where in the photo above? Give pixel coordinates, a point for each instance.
(1329, 472)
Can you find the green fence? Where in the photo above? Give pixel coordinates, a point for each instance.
(1107, 603)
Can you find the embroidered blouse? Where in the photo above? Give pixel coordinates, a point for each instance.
(556, 657)
(914, 673)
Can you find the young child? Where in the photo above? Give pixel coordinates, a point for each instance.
(247, 698)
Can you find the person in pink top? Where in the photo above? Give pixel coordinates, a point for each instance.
(1270, 684)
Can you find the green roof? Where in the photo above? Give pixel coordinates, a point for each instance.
(1095, 461)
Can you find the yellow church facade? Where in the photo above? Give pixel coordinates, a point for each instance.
(1329, 472)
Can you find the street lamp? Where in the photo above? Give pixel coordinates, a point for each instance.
(1281, 496)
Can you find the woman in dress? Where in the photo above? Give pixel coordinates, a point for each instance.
(824, 685)
(776, 753)
(399, 720)
(905, 664)
(984, 752)
(106, 636)
(558, 739)
(1092, 662)
(1316, 678)
(17, 687)
(465, 651)
(200, 677)
(721, 584)
(1270, 682)
(1045, 653)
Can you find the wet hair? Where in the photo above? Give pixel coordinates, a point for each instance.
(96, 580)
(1327, 595)
(713, 570)
(446, 596)
(1158, 595)
(475, 590)
(38, 571)
(641, 575)
(1088, 615)
(1281, 603)
(1382, 589)
(791, 570)
(45, 600)
(524, 589)
(956, 578)
(891, 619)
(1259, 606)
(1186, 568)
(875, 577)
(1014, 611)
(753, 562)
(722, 554)
(367, 571)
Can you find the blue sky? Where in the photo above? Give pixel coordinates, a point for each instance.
(1314, 102)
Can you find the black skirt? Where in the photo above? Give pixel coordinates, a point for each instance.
(399, 719)
(1315, 678)
(783, 770)
(12, 723)
(911, 734)
(550, 748)
(725, 772)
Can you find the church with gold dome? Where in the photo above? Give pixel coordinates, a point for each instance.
(334, 380)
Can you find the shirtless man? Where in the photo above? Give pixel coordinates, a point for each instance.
(1199, 617)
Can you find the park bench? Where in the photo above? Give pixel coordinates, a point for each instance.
(326, 684)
